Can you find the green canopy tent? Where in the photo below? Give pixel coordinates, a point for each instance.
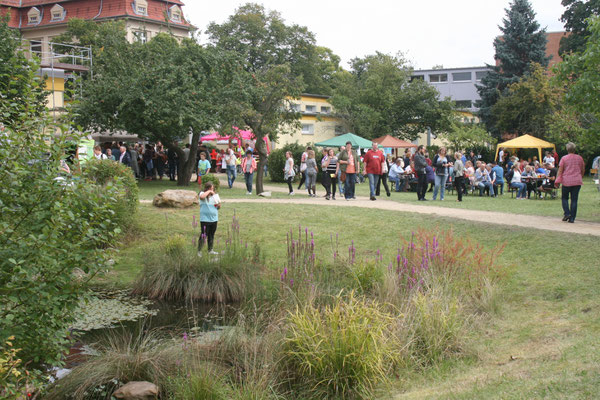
(357, 141)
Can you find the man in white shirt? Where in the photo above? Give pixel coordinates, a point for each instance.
(98, 155)
(230, 161)
(549, 159)
(396, 174)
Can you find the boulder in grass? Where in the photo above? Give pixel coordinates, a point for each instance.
(137, 391)
(265, 194)
(176, 199)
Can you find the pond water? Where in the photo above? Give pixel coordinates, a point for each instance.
(107, 314)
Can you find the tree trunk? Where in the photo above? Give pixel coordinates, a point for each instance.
(185, 168)
(261, 147)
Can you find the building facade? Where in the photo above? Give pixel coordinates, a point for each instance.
(317, 122)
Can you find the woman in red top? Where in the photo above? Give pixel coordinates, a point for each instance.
(570, 174)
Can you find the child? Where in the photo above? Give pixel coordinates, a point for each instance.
(203, 167)
(210, 203)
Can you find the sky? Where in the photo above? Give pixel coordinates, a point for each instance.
(428, 33)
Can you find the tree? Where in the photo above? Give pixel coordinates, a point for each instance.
(271, 51)
(162, 90)
(580, 73)
(575, 17)
(522, 43)
(527, 105)
(469, 136)
(378, 97)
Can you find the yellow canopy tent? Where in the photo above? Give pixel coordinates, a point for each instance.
(526, 142)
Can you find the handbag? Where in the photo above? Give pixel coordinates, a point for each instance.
(343, 177)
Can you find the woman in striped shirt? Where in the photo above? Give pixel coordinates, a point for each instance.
(329, 167)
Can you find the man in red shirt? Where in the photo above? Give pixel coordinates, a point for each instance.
(372, 162)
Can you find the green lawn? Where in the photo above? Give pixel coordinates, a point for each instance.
(542, 344)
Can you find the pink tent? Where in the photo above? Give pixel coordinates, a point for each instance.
(245, 135)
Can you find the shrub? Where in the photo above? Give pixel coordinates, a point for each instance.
(176, 272)
(213, 179)
(344, 350)
(13, 374)
(276, 161)
(118, 179)
(122, 358)
(205, 385)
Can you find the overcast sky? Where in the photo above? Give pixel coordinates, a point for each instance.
(456, 33)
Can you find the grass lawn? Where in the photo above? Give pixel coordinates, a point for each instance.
(542, 344)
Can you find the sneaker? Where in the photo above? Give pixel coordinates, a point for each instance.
(372, 198)
(291, 193)
(200, 254)
(326, 197)
(333, 198)
(248, 193)
(212, 252)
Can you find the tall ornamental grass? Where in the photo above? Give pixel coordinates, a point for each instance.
(177, 273)
(340, 351)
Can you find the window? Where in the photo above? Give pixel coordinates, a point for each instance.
(438, 78)
(57, 13)
(140, 7)
(141, 36)
(417, 77)
(308, 129)
(33, 15)
(461, 76)
(35, 46)
(175, 13)
(480, 74)
(463, 103)
(325, 110)
(310, 109)
(295, 107)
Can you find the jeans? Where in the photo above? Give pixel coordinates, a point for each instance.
(396, 181)
(440, 185)
(208, 230)
(248, 178)
(339, 182)
(573, 191)
(522, 189)
(349, 186)
(172, 169)
(421, 185)
(483, 185)
(289, 182)
(311, 181)
(373, 179)
(231, 173)
(383, 180)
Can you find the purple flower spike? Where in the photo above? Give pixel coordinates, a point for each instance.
(291, 282)
(282, 277)
(185, 336)
(285, 271)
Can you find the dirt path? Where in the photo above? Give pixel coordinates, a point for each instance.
(490, 217)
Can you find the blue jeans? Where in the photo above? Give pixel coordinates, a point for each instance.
(373, 179)
(439, 185)
(522, 188)
(573, 191)
(483, 185)
(339, 182)
(248, 177)
(349, 186)
(231, 173)
(396, 181)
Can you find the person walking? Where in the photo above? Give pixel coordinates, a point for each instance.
(372, 168)
(248, 168)
(288, 171)
(570, 174)
(230, 160)
(303, 167)
(210, 203)
(339, 173)
(383, 177)
(330, 170)
(459, 175)
(311, 174)
(420, 163)
(348, 164)
(441, 165)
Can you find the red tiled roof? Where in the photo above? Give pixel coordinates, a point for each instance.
(88, 9)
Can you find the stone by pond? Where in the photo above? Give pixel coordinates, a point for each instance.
(176, 199)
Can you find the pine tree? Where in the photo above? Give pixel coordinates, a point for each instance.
(522, 43)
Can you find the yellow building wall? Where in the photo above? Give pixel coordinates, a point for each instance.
(56, 98)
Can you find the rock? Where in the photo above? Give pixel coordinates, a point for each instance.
(265, 194)
(176, 199)
(137, 391)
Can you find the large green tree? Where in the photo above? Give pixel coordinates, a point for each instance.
(574, 17)
(527, 105)
(378, 97)
(274, 55)
(163, 90)
(522, 43)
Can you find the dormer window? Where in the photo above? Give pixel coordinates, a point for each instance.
(57, 13)
(34, 16)
(175, 13)
(140, 7)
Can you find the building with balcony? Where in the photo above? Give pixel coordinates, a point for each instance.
(317, 122)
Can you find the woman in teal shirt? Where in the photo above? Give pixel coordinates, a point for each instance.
(210, 203)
